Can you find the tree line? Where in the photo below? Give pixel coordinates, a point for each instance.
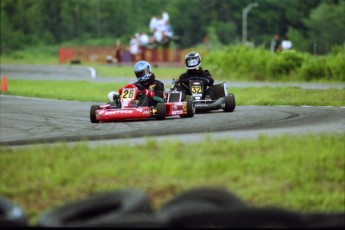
(312, 25)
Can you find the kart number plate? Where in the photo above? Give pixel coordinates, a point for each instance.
(196, 89)
(128, 94)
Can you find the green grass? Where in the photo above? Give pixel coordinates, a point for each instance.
(301, 174)
(127, 71)
(97, 92)
(34, 55)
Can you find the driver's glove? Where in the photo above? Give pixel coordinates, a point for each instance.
(148, 93)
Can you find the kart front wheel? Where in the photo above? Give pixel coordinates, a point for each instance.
(190, 109)
(93, 113)
(230, 103)
(161, 111)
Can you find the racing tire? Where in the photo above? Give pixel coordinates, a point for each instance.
(253, 218)
(161, 111)
(190, 109)
(230, 103)
(11, 215)
(104, 209)
(180, 210)
(93, 113)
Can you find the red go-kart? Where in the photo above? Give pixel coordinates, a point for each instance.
(125, 107)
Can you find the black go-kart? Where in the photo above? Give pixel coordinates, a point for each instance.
(214, 97)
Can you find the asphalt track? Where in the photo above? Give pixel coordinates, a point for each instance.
(26, 121)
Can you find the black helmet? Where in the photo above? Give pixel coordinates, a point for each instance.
(193, 60)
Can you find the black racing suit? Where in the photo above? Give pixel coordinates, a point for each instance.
(183, 82)
(154, 85)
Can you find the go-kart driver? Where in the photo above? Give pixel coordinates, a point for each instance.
(152, 89)
(194, 70)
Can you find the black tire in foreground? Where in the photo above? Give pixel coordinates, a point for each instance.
(213, 207)
(107, 209)
(230, 103)
(11, 215)
(181, 210)
(93, 113)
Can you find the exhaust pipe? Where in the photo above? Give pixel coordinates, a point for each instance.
(213, 106)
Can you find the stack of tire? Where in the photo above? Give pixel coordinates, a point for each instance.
(201, 207)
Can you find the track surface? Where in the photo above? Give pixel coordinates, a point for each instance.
(26, 121)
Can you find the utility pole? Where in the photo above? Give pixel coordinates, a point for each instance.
(245, 12)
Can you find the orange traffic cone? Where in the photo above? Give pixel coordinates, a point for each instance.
(4, 84)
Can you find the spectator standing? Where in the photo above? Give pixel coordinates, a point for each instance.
(159, 30)
(133, 48)
(118, 52)
(276, 43)
(165, 16)
(144, 41)
(153, 24)
(168, 30)
(286, 44)
(167, 34)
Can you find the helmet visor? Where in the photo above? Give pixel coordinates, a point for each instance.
(143, 75)
(192, 61)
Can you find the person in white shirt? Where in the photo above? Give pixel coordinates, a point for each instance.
(286, 44)
(153, 24)
(144, 39)
(159, 32)
(165, 16)
(133, 47)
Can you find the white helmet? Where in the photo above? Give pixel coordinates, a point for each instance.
(192, 60)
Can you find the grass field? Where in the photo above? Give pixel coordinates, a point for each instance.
(97, 92)
(302, 173)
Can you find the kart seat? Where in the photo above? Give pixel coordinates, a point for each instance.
(216, 91)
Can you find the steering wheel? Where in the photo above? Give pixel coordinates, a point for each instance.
(140, 87)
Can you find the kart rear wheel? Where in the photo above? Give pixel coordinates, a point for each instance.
(93, 113)
(230, 103)
(161, 111)
(190, 109)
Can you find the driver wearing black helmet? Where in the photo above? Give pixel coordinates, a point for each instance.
(194, 70)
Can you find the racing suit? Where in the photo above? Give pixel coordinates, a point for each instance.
(183, 82)
(157, 87)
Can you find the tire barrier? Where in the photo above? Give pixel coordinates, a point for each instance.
(11, 215)
(199, 201)
(200, 207)
(324, 220)
(105, 209)
(211, 207)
